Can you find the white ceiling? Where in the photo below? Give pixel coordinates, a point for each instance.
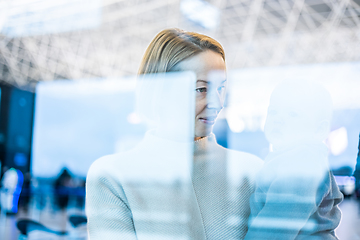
(80, 39)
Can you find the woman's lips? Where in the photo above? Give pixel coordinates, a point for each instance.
(208, 120)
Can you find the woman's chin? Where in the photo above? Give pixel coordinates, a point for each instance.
(203, 133)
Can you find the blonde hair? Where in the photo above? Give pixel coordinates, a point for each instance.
(171, 46)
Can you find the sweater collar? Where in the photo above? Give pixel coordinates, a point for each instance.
(204, 143)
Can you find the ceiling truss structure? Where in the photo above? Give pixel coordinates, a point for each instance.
(255, 33)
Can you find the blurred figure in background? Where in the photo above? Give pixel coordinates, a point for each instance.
(63, 186)
(296, 195)
(25, 193)
(12, 182)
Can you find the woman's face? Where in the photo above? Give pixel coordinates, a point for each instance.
(210, 91)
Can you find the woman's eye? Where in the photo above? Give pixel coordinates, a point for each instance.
(201, 90)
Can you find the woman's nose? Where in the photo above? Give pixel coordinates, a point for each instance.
(214, 100)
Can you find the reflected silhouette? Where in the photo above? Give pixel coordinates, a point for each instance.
(296, 194)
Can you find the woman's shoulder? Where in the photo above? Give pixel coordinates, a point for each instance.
(243, 158)
(108, 165)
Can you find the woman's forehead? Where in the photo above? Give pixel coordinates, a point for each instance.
(203, 63)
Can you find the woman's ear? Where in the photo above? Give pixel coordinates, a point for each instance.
(323, 130)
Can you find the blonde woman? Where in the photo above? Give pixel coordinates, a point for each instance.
(214, 203)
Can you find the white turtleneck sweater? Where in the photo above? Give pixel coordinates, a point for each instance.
(164, 189)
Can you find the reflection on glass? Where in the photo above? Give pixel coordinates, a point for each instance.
(296, 195)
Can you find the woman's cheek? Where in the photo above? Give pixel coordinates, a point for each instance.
(200, 105)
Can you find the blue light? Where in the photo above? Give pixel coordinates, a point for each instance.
(20, 159)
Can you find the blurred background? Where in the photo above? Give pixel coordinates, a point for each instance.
(67, 90)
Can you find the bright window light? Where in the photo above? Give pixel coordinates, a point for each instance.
(201, 12)
(338, 141)
(37, 17)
